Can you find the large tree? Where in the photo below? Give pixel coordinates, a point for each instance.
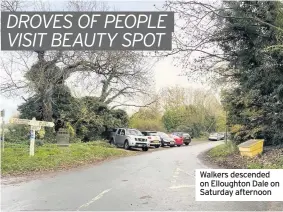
(114, 77)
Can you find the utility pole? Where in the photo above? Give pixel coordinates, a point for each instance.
(226, 133)
(226, 122)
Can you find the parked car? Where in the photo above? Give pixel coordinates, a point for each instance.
(214, 137)
(166, 140)
(107, 134)
(186, 137)
(128, 138)
(153, 138)
(178, 140)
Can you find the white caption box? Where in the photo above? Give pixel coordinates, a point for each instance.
(239, 184)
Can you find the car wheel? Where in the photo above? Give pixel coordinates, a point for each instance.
(157, 146)
(178, 145)
(187, 144)
(112, 142)
(145, 149)
(162, 144)
(171, 146)
(126, 145)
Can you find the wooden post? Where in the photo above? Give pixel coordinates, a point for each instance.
(32, 141)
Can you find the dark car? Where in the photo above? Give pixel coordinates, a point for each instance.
(186, 137)
(166, 140)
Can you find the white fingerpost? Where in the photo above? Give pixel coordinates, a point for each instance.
(34, 126)
(32, 141)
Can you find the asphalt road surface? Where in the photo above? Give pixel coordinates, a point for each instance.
(158, 180)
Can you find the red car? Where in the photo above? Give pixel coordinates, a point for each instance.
(178, 141)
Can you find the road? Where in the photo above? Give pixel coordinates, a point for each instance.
(159, 180)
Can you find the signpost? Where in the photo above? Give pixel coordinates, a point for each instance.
(34, 126)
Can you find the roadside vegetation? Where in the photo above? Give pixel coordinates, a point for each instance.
(16, 160)
(228, 156)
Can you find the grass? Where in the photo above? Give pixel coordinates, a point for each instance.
(16, 160)
(228, 156)
(223, 150)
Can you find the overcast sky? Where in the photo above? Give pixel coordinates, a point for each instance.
(166, 74)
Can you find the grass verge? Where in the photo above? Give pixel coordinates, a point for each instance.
(228, 156)
(16, 161)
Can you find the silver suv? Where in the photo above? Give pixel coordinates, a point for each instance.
(127, 138)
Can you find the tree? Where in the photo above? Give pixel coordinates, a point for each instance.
(255, 103)
(115, 74)
(115, 77)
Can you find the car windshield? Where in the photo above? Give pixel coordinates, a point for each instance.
(152, 133)
(186, 135)
(163, 135)
(134, 132)
(179, 134)
(214, 134)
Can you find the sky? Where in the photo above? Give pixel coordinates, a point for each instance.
(165, 73)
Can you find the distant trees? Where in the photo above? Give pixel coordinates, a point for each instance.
(182, 109)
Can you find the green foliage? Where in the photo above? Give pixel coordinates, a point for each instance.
(256, 103)
(17, 134)
(70, 129)
(189, 118)
(147, 119)
(86, 118)
(93, 118)
(223, 150)
(16, 159)
(41, 133)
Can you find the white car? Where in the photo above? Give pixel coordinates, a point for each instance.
(153, 138)
(214, 137)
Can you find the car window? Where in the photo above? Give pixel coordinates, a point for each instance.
(119, 131)
(122, 132)
(177, 134)
(144, 133)
(134, 132)
(152, 133)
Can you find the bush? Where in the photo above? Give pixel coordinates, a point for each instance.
(17, 133)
